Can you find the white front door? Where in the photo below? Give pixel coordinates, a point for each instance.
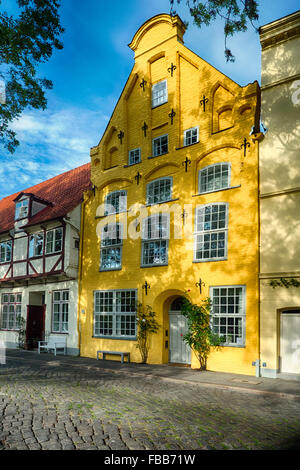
(290, 342)
(179, 351)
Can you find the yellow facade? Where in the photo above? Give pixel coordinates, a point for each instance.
(231, 112)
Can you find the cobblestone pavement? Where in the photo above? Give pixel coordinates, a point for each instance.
(56, 407)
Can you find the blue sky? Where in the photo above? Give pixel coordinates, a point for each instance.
(89, 75)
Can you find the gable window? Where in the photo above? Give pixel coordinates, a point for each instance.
(134, 156)
(36, 243)
(115, 202)
(159, 190)
(5, 251)
(160, 145)
(22, 208)
(191, 136)
(159, 93)
(115, 313)
(60, 311)
(54, 240)
(214, 177)
(155, 240)
(11, 305)
(211, 232)
(111, 247)
(228, 314)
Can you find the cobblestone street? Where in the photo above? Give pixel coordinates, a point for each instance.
(50, 405)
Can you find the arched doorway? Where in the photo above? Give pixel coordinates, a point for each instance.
(179, 351)
(290, 340)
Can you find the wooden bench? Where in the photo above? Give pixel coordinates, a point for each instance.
(115, 353)
(53, 343)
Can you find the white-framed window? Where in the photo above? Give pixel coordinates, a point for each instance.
(22, 208)
(191, 136)
(159, 93)
(160, 145)
(111, 247)
(155, 235)
(115, 202)
(60, 315)
(134, 156)
(5, 251)
(214, 177)
(115, 313)
(36, 243)
(11, 305)
(211, 232)
(54, 240)
(159, 190)
(228, 313)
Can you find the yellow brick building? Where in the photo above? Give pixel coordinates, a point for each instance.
(174, 207)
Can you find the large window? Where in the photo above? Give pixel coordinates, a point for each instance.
(22, 208)
(228, 313)
(60, 311)
(11, 305)
(115, 313)
(214, 177)
(36, 243)
(155, 240)
(159, 190)
(111, 247)
(160, 145)
(115, 202)
(211, 232)
(134, 156)
(54, 240)
(191, 136)
(159, 93)
(5, 251)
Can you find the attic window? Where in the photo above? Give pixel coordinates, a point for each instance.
(22, 208)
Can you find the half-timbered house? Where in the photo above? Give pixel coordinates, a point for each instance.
(39, 256)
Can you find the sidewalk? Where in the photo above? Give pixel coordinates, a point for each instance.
(284, 388)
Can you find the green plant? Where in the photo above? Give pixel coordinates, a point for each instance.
(200, 336)
(21, 325)
(146, 326)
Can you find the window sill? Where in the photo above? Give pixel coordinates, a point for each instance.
(158, 105)
(162, 202)
(153, 265)
(216, 191)
(110, 270)
(132, 164)
(125, 338)
(188, 145)
(209, 260)
(160, 155)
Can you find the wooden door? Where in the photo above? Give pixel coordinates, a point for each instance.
(35, 325)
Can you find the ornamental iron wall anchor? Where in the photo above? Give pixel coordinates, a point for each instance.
(245, 144)
(120, 136)
(186, 162)
(184, 215)
(171, 115)
(142, 84)
(146, 286)
(138, 177)
(144, 128)
(171, 69)
(200, 284)
(203, 102)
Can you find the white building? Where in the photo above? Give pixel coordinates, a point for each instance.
(39, 257)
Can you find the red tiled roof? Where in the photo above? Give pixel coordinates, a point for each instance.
(63, 191)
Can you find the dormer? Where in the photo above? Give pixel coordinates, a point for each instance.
(27, 205)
